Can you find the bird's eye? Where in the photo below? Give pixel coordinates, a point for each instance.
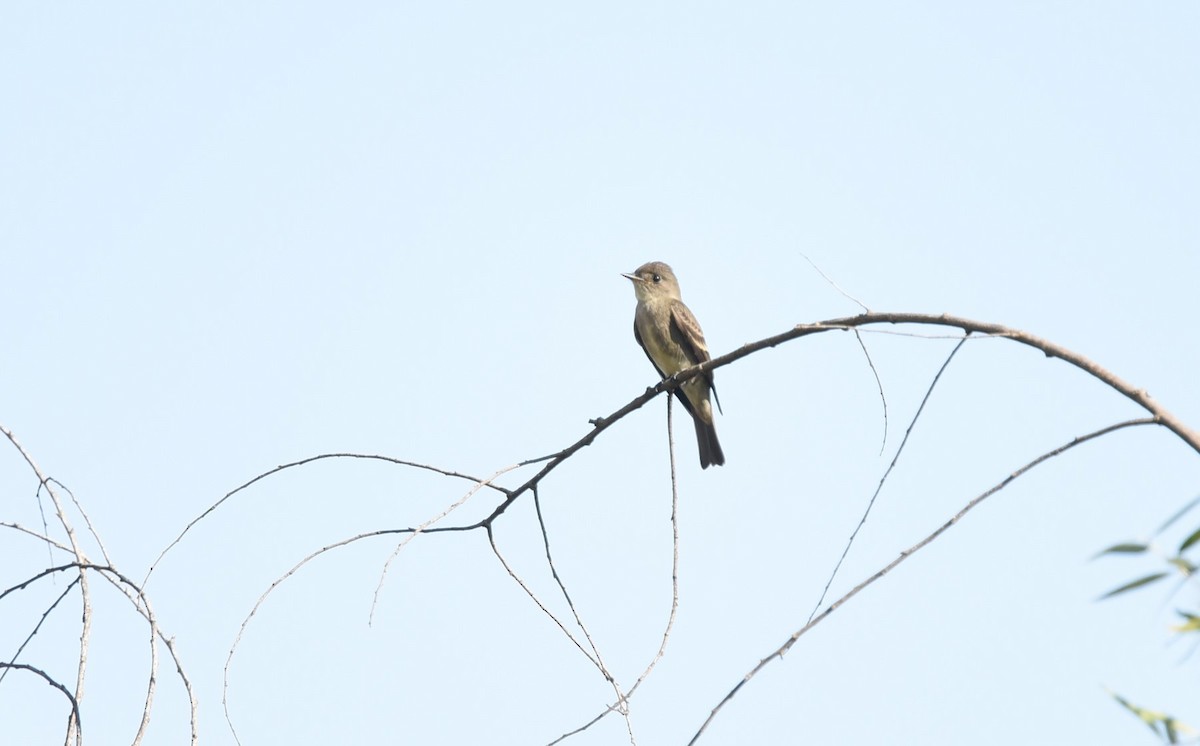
(658, 278)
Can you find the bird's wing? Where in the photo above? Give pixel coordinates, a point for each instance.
(686, 331)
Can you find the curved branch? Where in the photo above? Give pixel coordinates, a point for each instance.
(970, 326)
(77, 732)
(1139, 396)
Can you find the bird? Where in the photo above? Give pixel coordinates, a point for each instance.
(669, 334)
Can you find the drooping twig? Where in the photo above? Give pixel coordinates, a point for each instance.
(85, 634)
(538, 602)
(879, 385)
(879, 488)
(599, 659)
(662, 646)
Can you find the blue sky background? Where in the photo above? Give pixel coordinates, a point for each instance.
(233, 237)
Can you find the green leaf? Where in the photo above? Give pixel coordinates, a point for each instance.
(1191, 622)
(1147, 580)
(1126, 548)
(1148, 717)
(1171, 728)
(1185, 567)
(1182, 512)
(1190, 541)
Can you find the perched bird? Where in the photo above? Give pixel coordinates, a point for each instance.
(671, 338)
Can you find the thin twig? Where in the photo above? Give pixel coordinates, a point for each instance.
(424, 528)
(662, 646)
(78, 730)
(533, 596)
(41, 537)
(879, 385)
(86, 518)
(879, 488)
(836, 287)
(604, 669)
(275, 584)
(778, 653)
(37, 627)
(479, 484)
(302, 462)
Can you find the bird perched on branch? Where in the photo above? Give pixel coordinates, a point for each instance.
(671, 338)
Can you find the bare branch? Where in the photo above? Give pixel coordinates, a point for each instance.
(75, 719)
(860, 324)
(878, 384)
(599, 659)
(302, 462)
(133, 593)
(37, 627)
(533, 596)
(85, 633)
(969, 326)
(41, 537)
(142, 605)
(812, 622)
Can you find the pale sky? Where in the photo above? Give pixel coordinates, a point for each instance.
(235, 237)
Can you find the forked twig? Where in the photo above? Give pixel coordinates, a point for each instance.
(302, 462)
(425, 528)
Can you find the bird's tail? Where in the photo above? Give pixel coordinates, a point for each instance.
(710, 447)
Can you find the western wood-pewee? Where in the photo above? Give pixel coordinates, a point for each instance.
(671, 338)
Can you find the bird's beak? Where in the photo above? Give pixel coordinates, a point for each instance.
(628, 276)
